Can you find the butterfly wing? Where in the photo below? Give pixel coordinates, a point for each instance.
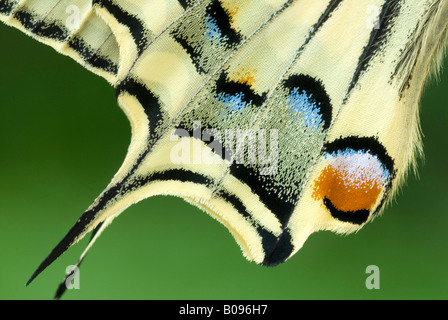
(102, 35)
(70, 27)
(278, 118)
(173, 58)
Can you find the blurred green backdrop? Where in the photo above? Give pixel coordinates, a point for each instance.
(62, 137)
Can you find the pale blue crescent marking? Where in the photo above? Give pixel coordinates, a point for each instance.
(213, 33)
(302, 104)
(354, 161)
(233, 102)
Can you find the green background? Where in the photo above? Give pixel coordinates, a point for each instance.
(62, 137)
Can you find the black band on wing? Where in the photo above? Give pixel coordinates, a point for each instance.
(136, 27)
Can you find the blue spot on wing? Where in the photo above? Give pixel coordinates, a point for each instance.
(301, 104)
(213, 33)
(236, 96)
(308, 100)
(218, 27)
(233, 102)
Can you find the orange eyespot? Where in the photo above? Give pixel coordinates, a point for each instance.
(351, 184)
